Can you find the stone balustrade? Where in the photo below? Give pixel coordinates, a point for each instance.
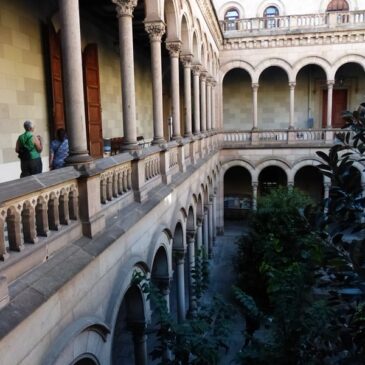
(262, 138)
(313, 22)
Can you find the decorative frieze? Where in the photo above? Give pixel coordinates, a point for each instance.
(292, 40)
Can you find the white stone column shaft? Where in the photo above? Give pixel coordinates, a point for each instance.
(329, 103)
(186, 61)
(209, 104)
(214, 216)
(174, 50)
(214, 121)
(191, 253)
(255, 88)
(292, 101)
(206, 232)
(203, 102)
(199, 239)
(181, 312)
(73, 80)
(140, 347)
(156, 31)
(125, 13)
(254, 195)
(196, 85)
(210, 225)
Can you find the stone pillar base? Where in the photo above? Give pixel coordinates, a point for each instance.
(78, 159)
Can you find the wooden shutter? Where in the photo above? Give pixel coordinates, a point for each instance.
(58, 111)
(92, 101)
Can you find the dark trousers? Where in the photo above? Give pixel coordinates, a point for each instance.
(31, 167)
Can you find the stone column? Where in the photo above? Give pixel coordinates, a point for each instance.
(214, 216)
(210, 222)
(180, 274)
(203, 101)
(209, 104)
(138, 330)
(191, 254)
(291, 98)
(214, 122)
(330, 84)
(163, 284)
(186, 61)
(196, 77)
(206, 231)
(255, 88)
(73, 81)
(125, 13)
(254, 195)
(155, 31)
(199, 238)
(327, 187)
(174, 50)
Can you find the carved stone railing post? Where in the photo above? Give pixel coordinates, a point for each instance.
(13, 222)
(139, 179)
(64, 208)
(29, 223)
(53, 213)
(42, 216)
(73, 204)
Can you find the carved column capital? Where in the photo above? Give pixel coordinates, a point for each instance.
(330, 83)
(255, 86)
(196, 69)
(213, 82)
(186, 59)
(174, 48)
(255, 185)
(155, 30)
(203, 75)
(190, 234)
(292, 85)
(125, 7)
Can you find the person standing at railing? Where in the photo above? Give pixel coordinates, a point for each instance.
(58, 150)
(29, 148)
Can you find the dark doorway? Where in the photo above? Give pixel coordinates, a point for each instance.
(310, 180)
(339, 105)
(271, 177)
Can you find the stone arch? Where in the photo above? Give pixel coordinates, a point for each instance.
(266, 3)
(242, 163)
(350, 58)
(85, 335)
(231, 5)
(199, 207)
(179, 237)
(271, 162)
(186, 47)
(171, 20)
(191, 220)
(160, 239)
(273, 62)
(312, 60)
(195, 48)
(225, 68)
(300, 164)
(160, 265)
(353, 5)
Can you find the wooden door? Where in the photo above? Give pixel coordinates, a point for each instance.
(58, 111)
(339, 105)
(92, 101)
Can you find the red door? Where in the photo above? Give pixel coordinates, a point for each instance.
(58, 111)
(339, 105)
(92, 101)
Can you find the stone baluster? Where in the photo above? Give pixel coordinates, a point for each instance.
(42, 217)
(3, 253)
(13, 222)
(63, 208)
(29, 223)
(73, 204)
(53, 213)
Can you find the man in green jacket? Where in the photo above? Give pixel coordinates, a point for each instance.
(29, 148)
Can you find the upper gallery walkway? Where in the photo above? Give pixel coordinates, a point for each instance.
(276, 25)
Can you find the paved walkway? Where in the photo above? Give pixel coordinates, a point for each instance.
(221, 281)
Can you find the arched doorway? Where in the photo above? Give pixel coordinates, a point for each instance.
(237, 193)
(271, 177)
(129, 340)
(310, 180)
(237, 100)
(86, 359)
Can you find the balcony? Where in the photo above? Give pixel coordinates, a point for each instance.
(293, 24)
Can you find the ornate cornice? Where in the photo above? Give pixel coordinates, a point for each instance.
(174, 48)
(211, 19)
(155, 30)
(125, 7)
(294, 40)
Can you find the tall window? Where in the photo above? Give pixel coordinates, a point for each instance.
(271, 12)
(338, 5)
(230, 18)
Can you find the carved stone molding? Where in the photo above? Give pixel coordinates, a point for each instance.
(196, 70)
(186, 59)
(125, 7)
(203, 75)
(292, 40)
(174, 48)
(155, 30)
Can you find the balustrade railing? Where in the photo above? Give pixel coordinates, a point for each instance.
(295, 22)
